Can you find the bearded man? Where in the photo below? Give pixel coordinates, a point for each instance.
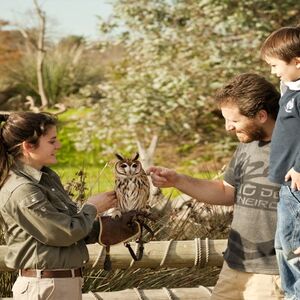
(249, 105)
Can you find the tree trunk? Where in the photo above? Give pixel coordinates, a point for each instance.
(41, 55)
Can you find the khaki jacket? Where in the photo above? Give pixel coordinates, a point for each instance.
(43, 227)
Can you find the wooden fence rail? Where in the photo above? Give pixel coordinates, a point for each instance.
(157, 254)
(198, 293)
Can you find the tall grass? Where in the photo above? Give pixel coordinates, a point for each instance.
(66, 69)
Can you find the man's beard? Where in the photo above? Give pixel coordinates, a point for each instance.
(251, 133)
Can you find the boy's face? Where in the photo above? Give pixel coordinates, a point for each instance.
(285, 71)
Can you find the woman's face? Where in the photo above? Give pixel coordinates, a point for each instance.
(44, 154)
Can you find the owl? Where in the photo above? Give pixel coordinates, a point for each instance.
(131, 185)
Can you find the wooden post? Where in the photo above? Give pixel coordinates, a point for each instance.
(157, 254)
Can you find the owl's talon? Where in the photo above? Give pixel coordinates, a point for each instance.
(133, 219)
(146, 212)
(115, 214)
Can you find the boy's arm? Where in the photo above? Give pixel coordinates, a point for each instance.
(294, 173)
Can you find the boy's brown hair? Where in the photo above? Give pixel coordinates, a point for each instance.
(283, 44)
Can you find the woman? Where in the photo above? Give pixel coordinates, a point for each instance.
(45, 233)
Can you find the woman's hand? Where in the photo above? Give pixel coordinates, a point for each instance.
(103, 201)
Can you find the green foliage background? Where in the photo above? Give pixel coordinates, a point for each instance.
(173, 55)
(177, 53)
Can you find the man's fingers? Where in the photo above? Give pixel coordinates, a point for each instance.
(152, 170)
(158, 178)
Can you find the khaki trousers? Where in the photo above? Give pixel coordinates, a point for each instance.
(236, 285)
(32, 288)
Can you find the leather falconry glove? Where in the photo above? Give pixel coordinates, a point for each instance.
(118, 230)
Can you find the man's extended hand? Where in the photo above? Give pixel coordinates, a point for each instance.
(163, 177)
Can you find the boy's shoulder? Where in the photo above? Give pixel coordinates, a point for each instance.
(290, 98)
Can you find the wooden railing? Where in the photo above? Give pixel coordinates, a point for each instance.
(157, 254)
(198, 293)
(175, 254)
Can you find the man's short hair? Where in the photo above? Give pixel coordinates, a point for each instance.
(250, 93)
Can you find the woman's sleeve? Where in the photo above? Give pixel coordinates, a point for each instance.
(49, 222)
(93, 236)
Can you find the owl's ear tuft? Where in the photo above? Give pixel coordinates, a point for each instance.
(136, 156)
(119, 156)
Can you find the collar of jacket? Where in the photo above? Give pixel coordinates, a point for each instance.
(30, 172)
(293, 85)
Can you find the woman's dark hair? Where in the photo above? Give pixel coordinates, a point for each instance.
(17, 128)
(250, 93)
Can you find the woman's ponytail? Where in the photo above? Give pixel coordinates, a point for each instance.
(4, 157)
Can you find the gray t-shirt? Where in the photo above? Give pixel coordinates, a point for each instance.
(251, 239)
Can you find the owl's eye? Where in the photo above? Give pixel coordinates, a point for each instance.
(134, 165)
(123, 166)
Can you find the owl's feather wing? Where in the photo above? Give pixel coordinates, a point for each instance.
(132, 193)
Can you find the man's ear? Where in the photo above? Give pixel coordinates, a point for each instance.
(262, 116)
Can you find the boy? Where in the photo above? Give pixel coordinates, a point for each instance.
(281, 50)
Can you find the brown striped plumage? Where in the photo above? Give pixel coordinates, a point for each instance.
(131, 185)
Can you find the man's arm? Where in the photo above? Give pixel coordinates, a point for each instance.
(215, 192)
